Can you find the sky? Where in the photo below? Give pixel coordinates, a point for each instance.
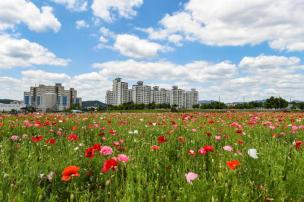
(236, 49)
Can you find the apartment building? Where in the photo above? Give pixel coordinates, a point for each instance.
(160, 96)
(120, 92)
(177, 97)
(145, 94)
(51, 98)
(138, 93)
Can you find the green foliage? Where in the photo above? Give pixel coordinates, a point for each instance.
(299, 105)
(277, 175)
(133, 106)
(214, 105)
(249, 105)
(275, 103)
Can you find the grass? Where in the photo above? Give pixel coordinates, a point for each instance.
(277, 175)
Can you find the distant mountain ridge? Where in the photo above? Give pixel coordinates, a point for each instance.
(93, 103)
(6, 101)
(206, 101)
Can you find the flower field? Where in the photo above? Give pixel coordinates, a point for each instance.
(229, 156)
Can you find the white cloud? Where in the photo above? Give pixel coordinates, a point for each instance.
(81, 24)
(13, 12)
(253, 78)
(105, 35)
(89, 86)
(23, 53)
(268, 62)
(132, 46)
(197, 71)
(43, 75)
(108, 10)
(75, 5)
(237, 23)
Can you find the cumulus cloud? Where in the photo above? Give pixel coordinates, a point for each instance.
(109, 10)
(90, 86)
(235, 23)
(13, 12)
(81, 24)
(132, 46)
(252, 78)
(16, 52)
(74, 5)
(197, 71)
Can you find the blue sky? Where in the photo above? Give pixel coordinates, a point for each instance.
(237, 51)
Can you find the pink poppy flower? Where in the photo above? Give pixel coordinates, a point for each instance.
(228, 148)
(14, 138)
(190, 177)
(218, 138)
(123, 158)
(106, 150)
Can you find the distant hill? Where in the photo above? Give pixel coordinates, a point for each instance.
(206, 101)
(93, 103)
(297, 101)
(6, 101)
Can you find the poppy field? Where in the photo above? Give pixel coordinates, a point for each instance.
(231, 156)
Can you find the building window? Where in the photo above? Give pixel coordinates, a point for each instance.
(26, 100)
(64, 100)
(38, 100)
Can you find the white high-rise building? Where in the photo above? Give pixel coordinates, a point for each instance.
(161, 96)
(120, 92)
(53, 98)
(138, 93)
(177, 97)
(147, 94)
(110, 97)
(141, 94)
(144, 94)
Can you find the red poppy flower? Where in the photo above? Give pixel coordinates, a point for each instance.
(89, 152)
(206, 149)
(50, 141)
(298, 144)
(112, 132)
(73, 137)
(37, 138)
(109, 164)
(161, 139)
(233, 164)
(70, 172)
(97, 147)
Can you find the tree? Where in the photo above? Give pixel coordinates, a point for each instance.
(275, 103)
(214, 105)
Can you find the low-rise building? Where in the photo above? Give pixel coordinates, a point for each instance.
(15, 105)
(51, 98)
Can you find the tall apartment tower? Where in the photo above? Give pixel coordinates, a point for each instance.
(144, 94)
(109, 97)
(54, 98)
(138, 93)
(141, 94)
(177, 97)
(120, 92)
(160, 96)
